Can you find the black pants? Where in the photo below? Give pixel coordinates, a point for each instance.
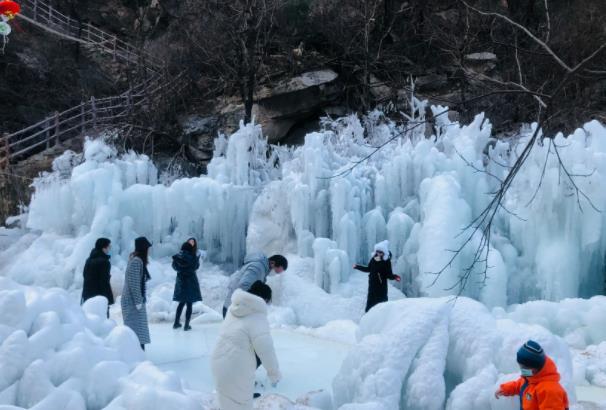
(256, 357)
(188, 312)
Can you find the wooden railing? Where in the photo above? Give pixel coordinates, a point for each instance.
(93, 114)
(42, 14)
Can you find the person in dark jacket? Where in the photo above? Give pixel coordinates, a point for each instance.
(379, 272)
(187, 287)
(96, 273)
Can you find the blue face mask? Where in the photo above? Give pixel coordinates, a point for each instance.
(526, 372)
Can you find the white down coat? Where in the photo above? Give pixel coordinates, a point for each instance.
(244, 332)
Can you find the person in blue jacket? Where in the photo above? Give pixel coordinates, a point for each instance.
(187, 287)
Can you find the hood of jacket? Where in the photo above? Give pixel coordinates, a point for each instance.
(245, 304)
(185, 261)
(257, 262)
(98, 253)
(549, 373)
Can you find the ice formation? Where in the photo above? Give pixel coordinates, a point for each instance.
(323, 204)
(420, 193)
(432, 354)
(54, 354)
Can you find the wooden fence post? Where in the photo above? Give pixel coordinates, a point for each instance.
(94, 111)
(57, 124)
(47, 133)
(129, 101)
(7, 152)
(35, 8)
(82, 117)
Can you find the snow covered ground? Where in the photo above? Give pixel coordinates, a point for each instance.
(544, 277)
(307, 363)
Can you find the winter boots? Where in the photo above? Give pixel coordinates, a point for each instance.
(188, 313)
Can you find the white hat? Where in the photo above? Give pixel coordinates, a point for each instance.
(383, 247)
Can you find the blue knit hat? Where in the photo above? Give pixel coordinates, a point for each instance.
(531, 355)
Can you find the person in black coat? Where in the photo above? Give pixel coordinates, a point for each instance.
(96, 273)
(187, 288)
(379, 272)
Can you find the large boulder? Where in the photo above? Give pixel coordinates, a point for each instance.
(280, 107)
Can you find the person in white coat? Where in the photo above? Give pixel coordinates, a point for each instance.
(244, 332)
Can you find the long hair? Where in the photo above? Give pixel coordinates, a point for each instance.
(195, 246)
(187, 247)
(141, 254)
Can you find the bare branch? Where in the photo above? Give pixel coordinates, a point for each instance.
(579, 192)
(476, 169)
(542, 173)
(523, 29)
(548, 19)
(379, 147)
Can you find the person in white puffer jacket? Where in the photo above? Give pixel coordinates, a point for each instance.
(244, 332)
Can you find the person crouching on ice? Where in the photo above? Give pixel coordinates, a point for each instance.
(379, 272)
(539, 387)
(244, 332)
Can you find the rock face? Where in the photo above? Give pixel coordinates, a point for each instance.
(198, 136)
(294, 100)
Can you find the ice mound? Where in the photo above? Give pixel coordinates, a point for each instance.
(432, 354)
(55, 354)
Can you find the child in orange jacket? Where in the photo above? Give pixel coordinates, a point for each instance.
(539, 387)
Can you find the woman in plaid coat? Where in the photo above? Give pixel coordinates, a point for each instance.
(134, 293)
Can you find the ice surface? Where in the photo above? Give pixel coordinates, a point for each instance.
(308, 363)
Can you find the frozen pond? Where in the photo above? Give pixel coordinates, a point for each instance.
(307, 363)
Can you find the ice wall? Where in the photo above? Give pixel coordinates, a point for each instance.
(547, 241)
(337, 195)
(119, 197)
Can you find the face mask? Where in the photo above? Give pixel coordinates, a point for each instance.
(526, 372)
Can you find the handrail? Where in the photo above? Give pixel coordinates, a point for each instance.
(74, 121)
(44, 16)
(106, 112)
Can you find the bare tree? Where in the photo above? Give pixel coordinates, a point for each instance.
(231, 39)
(546, 98)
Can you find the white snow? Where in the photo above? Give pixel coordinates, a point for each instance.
(437, 353)
(53, 354)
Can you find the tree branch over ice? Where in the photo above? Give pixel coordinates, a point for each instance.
(482, 224)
